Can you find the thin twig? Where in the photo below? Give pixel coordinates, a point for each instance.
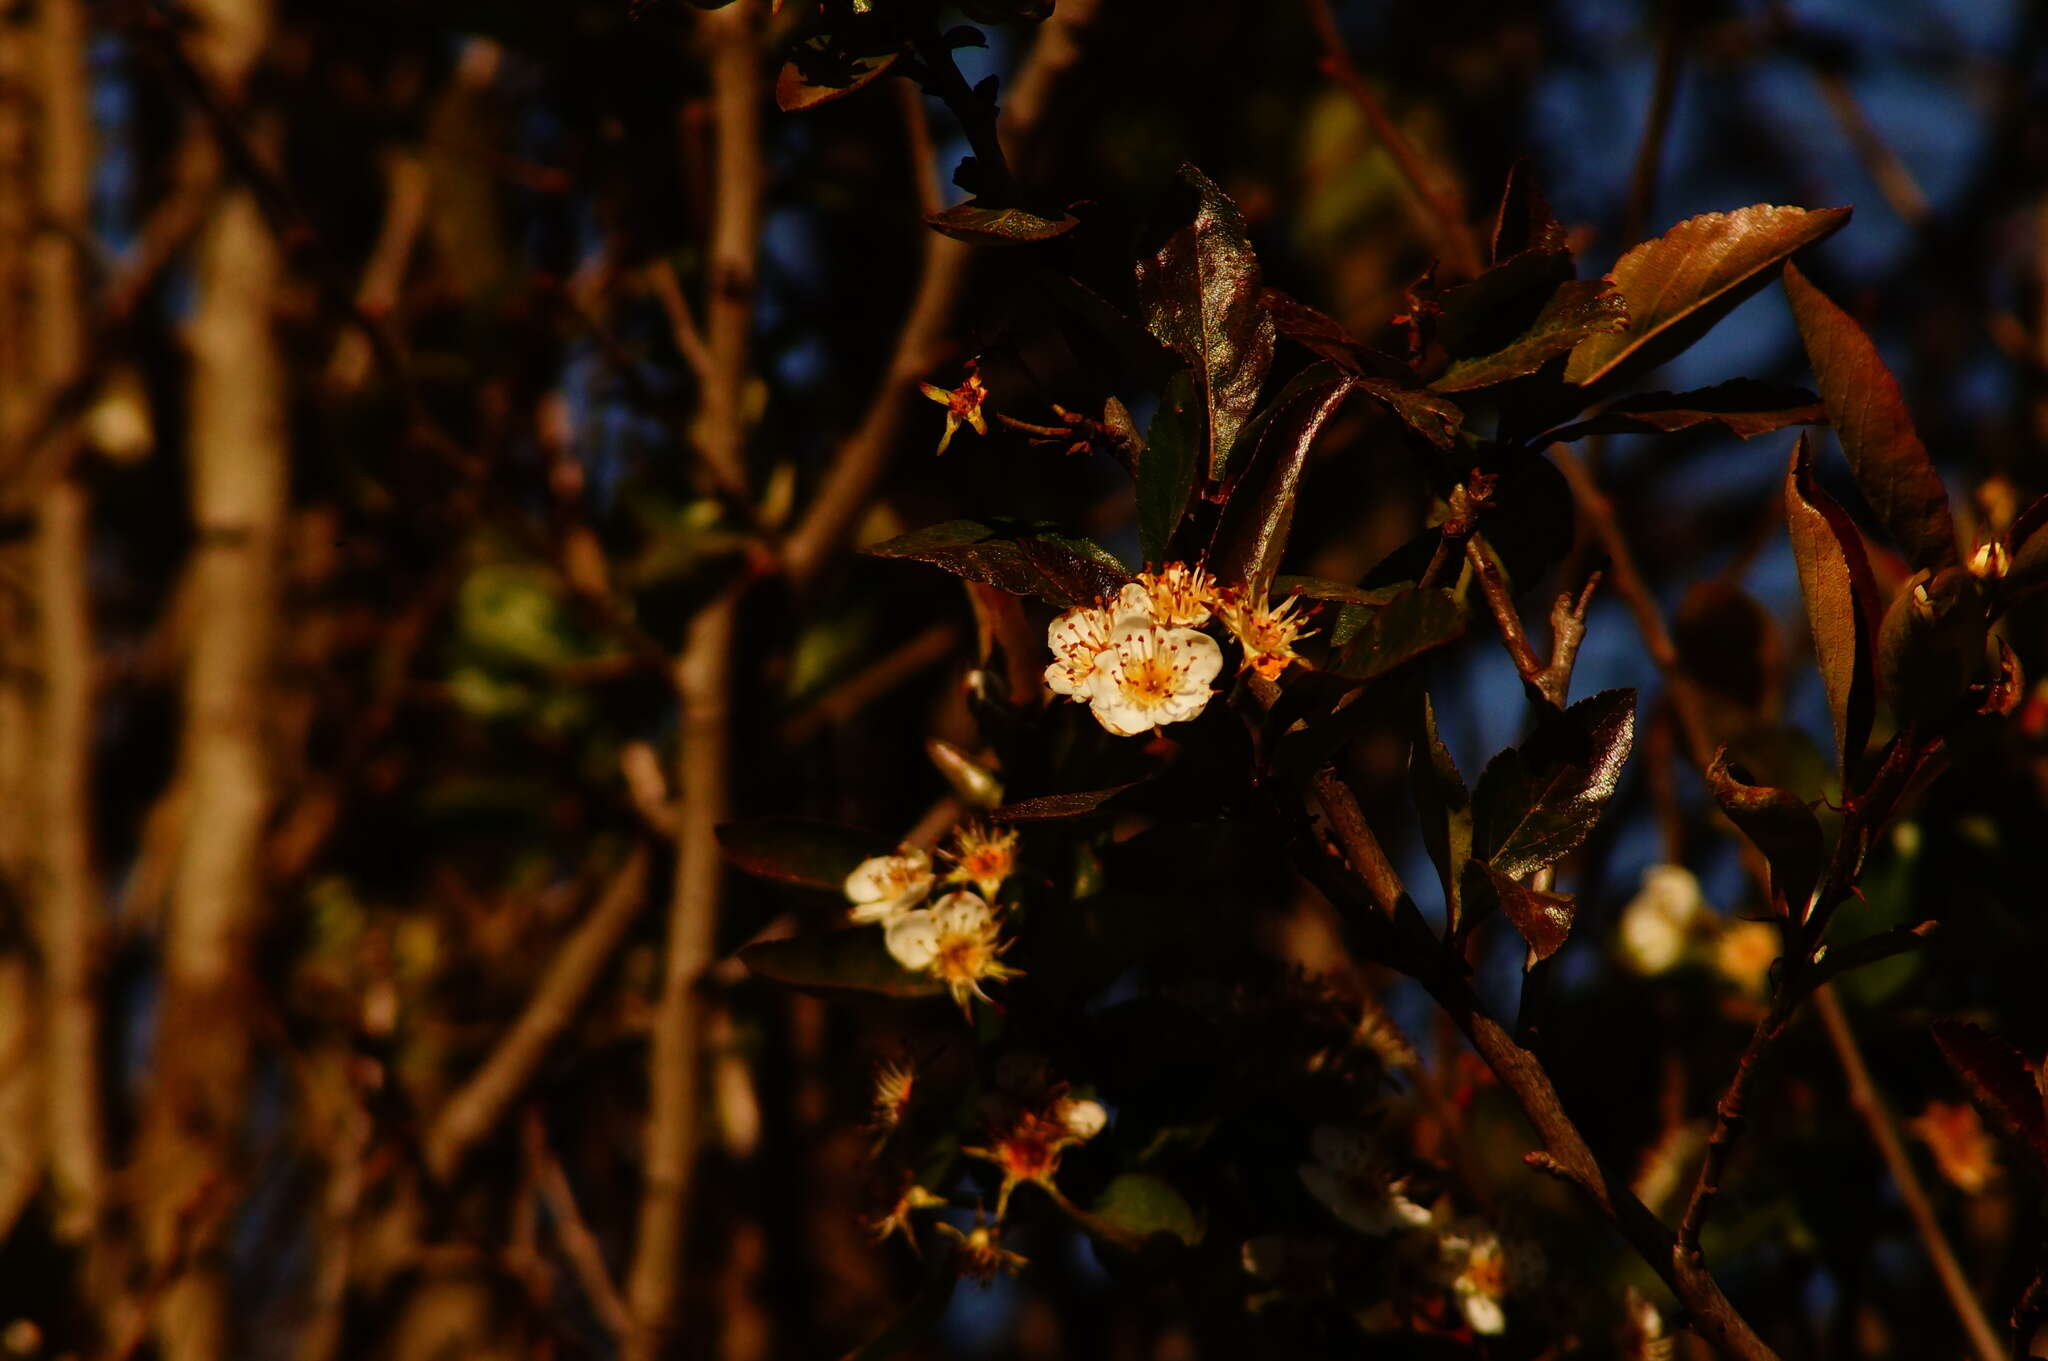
(1445, 204)
(661, 277)
(931, 645)
(479, 1106)
(572, 1231)
(1869, 1105)
(1642, 187)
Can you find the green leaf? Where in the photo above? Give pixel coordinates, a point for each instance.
(1251, 531)
(980, 226)
(1780, 825)
(1870, 418)
(1054, 807)
(1019, 558)
(1535, 803)
(1543, 919)
(1198, 293)
(812, 854)
(1686, 280)
(1579, 309)
(1417, 620)
(1743, 406)
(820, 70)
(1841, 600)
(1999, 1079)
(1169, 466)
(851, 959)
(1140, 1205)
(1443, 808)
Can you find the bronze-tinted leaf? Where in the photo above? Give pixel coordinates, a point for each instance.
(1198, 292)
(1578, 309)
(1169, 467)
(982, 226)
(1385, 379)
(1251, 532)
(1841, 600)
(1543, 919)
(1428, 414)
(1999, 1079)
(1315, 588)
(1524, 222)
(1417, 620)
(813, 854)
(1870, 417)
(852, 959)
(1743, 406)
(1780, 825)
(1055, 807)
(1930, 647)
(1537, 802)
(1683, 282)
(818, 72)
(1019, 558)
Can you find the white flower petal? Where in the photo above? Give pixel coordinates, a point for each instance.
(1483, 1313)
(1084, 1119)
(962, 914)
(913, 939)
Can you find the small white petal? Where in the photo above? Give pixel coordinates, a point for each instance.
(1483, 1312)
(962, 914)
(913, 939)
(1084, 1119)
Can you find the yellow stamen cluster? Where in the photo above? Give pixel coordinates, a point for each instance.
(962, 403)
(981, 857)
(1267, 633)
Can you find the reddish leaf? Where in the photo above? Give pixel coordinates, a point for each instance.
(1779, 824)
(1169, 467)
(1381, 377)
(1251, 532)
(979, 226)
(1443, 808)
(852, 959)
(1524, 222)
(1841, 601)
(1053, 807)
(1198, 291)
(1543, 919)
(1683, 282)
(818, 74)
(1743, 406)
(1577, 310)
(1869, 415)
(1375, 641)
(1021, 559)
(1429, 415)
(1999, 1079)
(813, 854)
(1535, 803)
(1930, 647)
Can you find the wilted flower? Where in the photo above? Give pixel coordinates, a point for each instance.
(1152, 676)
(1745, 953)
(1078, 639)
(954, 940)
(962, 403)
(981, 857)
(981, 1257)
(1655, 923)
(1478, 1271)
(887, 886)
(1177, 596)
(914, 1198)
(1025, 1144)
(1962, 1149)
(1266, 633)
(1352, 1181)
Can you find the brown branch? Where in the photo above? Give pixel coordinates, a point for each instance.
(926, 648)
(479, 1106)
(924, 156)
(1445, 204)
(572, 1231)
(1550, 680)
(1869, 1105)
(661, 277)
(1642, 187)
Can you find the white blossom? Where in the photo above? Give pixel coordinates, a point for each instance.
(1655, 924)
(954, 940)
(1152, 676)
(1351, 1180)
(1478, 1272)
(1077, 638)
(887, 886)
(1177, 596)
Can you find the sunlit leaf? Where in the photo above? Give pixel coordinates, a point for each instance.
(1543, 919)
(813, 854)
(1686, 280)
(1578, 309)
(1779, 824)
(981, 226)
(1251, 532)
(1198, 292)
(1169, 467)
(1741, 406)
(1537, 802)
(852, 959)
(1427, 413)
(1870, 417)
(1999, 1079)
(1841, 599)
(820, 71)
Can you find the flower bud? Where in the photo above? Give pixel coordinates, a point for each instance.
(1083, 1119)
(1991, 561)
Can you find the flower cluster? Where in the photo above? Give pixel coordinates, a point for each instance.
(955, 940)
(1025, 1142)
